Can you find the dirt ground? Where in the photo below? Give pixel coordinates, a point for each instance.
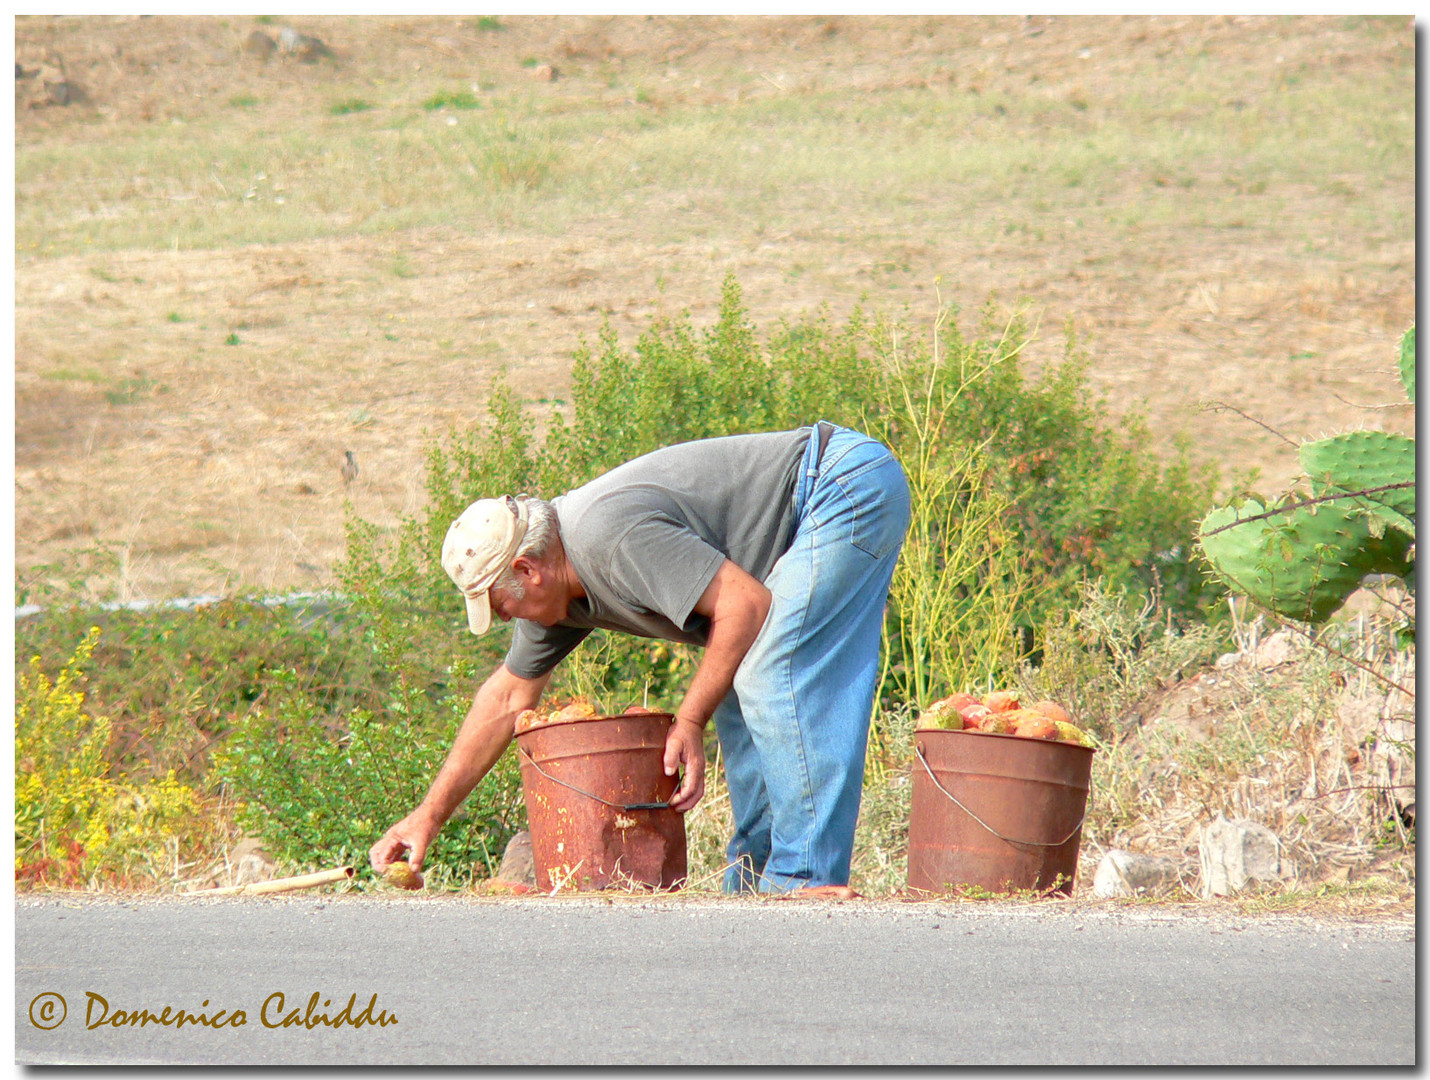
(201, 468)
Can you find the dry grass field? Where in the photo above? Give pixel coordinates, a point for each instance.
(231, 270)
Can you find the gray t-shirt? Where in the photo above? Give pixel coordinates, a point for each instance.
(647, 538)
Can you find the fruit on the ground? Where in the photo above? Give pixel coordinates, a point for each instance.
(401, 874)
(1052, 710)
(1002, 700)
(1071, 733)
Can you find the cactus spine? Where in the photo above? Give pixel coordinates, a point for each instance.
(1304, 555)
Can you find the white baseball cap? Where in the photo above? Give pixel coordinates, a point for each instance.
(479, 547)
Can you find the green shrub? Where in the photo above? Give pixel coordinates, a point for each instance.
(321, 790)
(75, 823)
(1087, 496)
(174, 682)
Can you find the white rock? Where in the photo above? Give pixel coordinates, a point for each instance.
(1123, 873)
(1276, 650)
(250, 862)
(1237, 853)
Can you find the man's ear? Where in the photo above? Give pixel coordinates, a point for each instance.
(528, 571)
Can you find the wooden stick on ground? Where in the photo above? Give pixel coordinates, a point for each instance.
(287, 884)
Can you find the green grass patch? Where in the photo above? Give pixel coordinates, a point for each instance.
(69, 374)
(132, 389)
(452, 99)
(349, 106)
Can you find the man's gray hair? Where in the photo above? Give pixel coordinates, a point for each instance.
(542, 528)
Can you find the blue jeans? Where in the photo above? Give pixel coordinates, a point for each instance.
(794, 728)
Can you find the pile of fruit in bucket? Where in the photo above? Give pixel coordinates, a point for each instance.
(579, 709)
(1001, 713)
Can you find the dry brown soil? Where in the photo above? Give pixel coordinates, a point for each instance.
(229, 478)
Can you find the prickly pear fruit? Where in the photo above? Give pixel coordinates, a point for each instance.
(1071, 733)
(1052, 710)
(974, 715)
(401, 875)
(941, 715)
(1002, 700)
(995, 724)
(528, 719)
(577, 710)
(960, 699)
(1034, 725)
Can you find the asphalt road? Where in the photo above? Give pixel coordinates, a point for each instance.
(689, 982)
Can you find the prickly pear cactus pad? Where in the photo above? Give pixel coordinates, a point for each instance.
(1303, 558)
(1301, 563)
(1379, 464)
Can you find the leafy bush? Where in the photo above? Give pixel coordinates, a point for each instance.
(321, 791)
(75, 824)
(174, 682)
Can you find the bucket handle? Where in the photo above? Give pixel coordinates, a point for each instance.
(607, 802)
(1006, 839)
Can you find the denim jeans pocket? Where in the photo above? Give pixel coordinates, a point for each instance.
(878, 498)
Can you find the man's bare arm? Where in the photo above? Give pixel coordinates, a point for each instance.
(736, 605)
(483, 737)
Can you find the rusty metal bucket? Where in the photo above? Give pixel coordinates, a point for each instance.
(998, 812)
(595, 794)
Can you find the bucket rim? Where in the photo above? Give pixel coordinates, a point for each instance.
(548, 725)
(918, 732)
